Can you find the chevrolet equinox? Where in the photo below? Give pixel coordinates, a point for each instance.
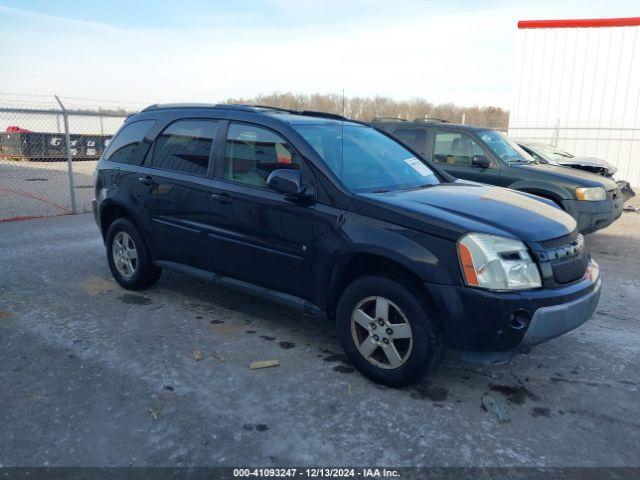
(336, 218)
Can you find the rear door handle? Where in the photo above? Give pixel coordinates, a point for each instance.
(148, 181)
(223, 198)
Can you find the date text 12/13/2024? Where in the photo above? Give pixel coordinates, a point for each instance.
(316, 472)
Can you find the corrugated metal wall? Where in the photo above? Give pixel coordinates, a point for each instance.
(579, 89)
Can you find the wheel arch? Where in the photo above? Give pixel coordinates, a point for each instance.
(556, 195)
(353, 265)
(112, 211)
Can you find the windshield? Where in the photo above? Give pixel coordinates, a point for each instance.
(550, 152)
(366, 160)
(504, 147)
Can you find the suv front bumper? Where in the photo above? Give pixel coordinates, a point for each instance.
(592, 216)
(552, 321)
(486, 321)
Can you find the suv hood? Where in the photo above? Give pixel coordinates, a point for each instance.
(453, 209)
(572, 176)
(589, 162)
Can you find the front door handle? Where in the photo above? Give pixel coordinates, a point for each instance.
(148, 181)
(223, 198)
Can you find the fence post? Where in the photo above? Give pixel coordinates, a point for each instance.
(67, 139)
(556, 135)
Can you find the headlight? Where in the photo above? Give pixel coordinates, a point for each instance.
(497, 263)
(591, 194)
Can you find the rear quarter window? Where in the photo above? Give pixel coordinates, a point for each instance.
(122, 147)
(414, 137)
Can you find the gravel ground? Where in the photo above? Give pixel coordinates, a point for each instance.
(93, 375)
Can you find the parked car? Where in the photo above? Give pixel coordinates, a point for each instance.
(487, 156)
(551, 155)
(337, 218)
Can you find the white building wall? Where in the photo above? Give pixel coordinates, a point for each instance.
(579, 89)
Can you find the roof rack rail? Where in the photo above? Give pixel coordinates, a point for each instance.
(393, 119)
(269, 107)
(313, 113)
(160, 106)
(431, 120)
(235, 106)
(247, 108)
(309, 113)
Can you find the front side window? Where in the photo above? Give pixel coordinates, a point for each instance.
(185, 146)
(252, 153)
(504, 147)
(366, 160)
(455, 148)
(123, 146)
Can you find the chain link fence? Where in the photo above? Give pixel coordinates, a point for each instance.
(49, 147)
(614, 140)
(48, 155)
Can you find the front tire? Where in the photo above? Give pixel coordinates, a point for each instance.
(128, 257)
(386, 332)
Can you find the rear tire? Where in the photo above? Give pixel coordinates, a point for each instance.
(128, 256)
(395, 348)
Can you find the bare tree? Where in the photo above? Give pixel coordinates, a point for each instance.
(368, 108)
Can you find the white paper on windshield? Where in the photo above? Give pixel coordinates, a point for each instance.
(418, 166)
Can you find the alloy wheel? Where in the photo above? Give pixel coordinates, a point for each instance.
(124, 254)
(381, 332)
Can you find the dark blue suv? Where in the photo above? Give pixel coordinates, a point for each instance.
(337, 218)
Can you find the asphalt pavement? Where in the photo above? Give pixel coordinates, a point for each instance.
(93, 375)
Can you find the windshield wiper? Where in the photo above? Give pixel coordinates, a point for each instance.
(417, 188)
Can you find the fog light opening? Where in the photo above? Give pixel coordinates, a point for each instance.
(520, 319)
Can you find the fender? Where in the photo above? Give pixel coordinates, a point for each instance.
(110, 205)
(543, 189)
(427, 258)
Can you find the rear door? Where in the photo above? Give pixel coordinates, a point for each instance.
(176, 184)
(454, 150)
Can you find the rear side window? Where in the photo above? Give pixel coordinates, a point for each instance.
(414, 137)
(185, 146)
(123, 147)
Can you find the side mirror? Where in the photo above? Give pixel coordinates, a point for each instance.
(480, 161)
(287, 181)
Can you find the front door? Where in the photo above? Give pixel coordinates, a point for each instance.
(260, 236)
(454, 150)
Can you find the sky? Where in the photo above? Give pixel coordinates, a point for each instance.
(207, 51)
